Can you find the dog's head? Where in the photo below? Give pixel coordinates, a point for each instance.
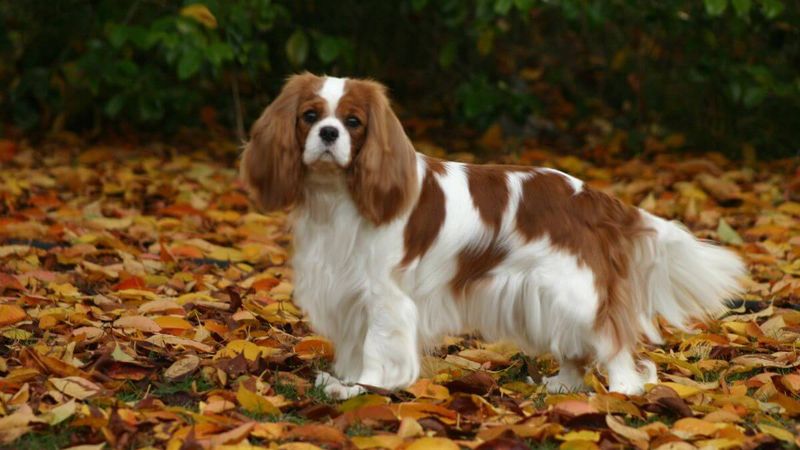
(331, 125)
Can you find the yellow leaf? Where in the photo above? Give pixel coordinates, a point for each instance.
(119, 355)
(683, 390)
(136, 294)
(363, 400)
(65, 290)
(250, 350)
(618, 426)
(183, 366)
(61, 413)
(140, 323)
(378, 441)
(201, 14)
(727, 234)
(77, 387)
(195, 297)
(17, 334)
(578, 444)
(425, 388)
(690, 427)
(432, 443)
(99, 446)
(226, 254)
(162, 340)
(255, 403)
(777, 433)
(582, 435)
(718, 444)
(173, 322)
(108, 223)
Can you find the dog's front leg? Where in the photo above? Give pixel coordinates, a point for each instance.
(387, 356)
(391, 350)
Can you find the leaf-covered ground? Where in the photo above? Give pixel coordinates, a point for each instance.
(143, 304)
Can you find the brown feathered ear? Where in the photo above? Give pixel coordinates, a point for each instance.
(383, 175)
(271, 165)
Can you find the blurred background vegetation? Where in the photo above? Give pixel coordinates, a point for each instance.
(614, 75)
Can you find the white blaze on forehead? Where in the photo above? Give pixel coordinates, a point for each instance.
(332, 91)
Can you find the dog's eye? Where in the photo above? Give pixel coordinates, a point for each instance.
(352, 122)
(310, 116)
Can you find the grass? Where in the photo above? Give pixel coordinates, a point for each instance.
(359, 429)
(285, 389)
(263, 417)
(547, 444)
(54, 439)
(174, 393)
(181, 386)
(636, 422)
(318, 395)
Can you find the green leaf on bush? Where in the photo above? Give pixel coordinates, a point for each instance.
(742, 7)
(328, 49)
(771, 8)
(118, 35)
(447, 54)
(417, 5)
(189, 64)
(114, 106)
(716, 7)
(523, 5)
(502, 7)
(485, 42)
(297, 48)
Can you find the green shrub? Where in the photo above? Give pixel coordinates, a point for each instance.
(722, 72)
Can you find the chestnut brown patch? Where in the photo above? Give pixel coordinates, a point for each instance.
(601, 231)
(271, 165)
(426, 219)
(474, 263)
(488, 186)
(355, 102)
(436, 165)
(382, 178)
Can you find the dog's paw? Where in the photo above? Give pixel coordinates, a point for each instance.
(334, 388)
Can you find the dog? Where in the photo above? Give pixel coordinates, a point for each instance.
(394, 250)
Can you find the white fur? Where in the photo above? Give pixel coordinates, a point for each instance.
(315, 148)
(380, 316)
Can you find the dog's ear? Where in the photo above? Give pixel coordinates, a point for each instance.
(271, 166)
(382, 178)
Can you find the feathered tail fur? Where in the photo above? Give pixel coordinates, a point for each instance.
(687, 278)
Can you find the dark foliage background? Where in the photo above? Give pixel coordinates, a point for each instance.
(617, 75)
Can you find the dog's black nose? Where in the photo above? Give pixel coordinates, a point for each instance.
(328, 134)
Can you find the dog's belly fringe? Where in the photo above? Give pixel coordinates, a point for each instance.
(544, 300)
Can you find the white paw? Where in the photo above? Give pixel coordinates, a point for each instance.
(560, 384)
(632, 383)
(391, 374)
(649, 371)
(336, 389)
(631, 388)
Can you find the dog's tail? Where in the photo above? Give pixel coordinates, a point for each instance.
(683, 277)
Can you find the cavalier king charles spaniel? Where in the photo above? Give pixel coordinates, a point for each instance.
(394, 250)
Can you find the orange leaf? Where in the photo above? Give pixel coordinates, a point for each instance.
(173, 323)
(314, 347)
(11, 314)
(8, 281)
